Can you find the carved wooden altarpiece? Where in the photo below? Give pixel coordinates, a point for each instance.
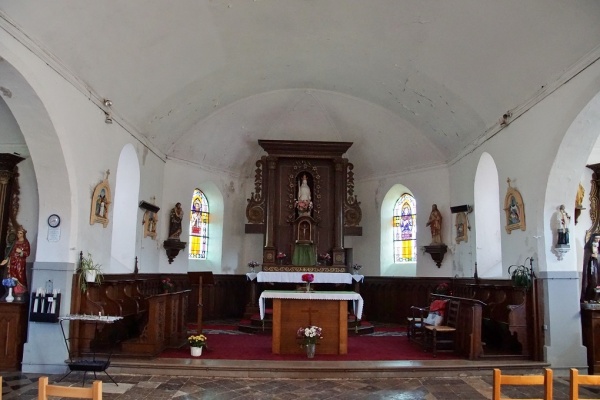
(274, 210)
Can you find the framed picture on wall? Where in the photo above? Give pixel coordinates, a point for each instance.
(101, 201)
(462, 227)
(514, 209)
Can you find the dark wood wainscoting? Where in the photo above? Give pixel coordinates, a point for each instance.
(509, 316)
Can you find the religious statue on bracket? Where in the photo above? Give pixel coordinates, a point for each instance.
(437, 248)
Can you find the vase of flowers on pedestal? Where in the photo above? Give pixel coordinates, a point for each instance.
(252, 265)
(281, 257)
(325, 258)
(309, 337)
(356, 268)
(9, 283)
(308, 278)
(197, 343)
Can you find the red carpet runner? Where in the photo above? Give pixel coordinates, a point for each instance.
(226, 343)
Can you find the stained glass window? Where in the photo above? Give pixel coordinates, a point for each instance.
(199, 226)
(405, 229)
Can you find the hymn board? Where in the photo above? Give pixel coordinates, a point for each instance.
(304, 204)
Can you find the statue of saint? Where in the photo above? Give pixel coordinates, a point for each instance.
(304, 190)
(435, 224)
(17, 256)
(304, 203)
(563, 226)
(591, 276)
(175, 222)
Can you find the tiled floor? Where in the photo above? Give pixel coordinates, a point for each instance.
(21, 386)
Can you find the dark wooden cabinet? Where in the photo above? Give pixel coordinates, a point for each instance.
(590, 321)
(13, 332)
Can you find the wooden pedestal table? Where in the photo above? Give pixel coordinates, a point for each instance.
(295, 309)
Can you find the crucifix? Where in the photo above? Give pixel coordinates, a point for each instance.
(309, 311)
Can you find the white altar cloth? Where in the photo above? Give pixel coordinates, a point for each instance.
(357, 300)
(296, 277)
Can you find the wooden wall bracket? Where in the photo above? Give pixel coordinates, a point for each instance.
(437, 252)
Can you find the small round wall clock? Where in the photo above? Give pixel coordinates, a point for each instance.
(54, 221)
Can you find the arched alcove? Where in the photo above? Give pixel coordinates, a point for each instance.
(487, 218)
(125, 212)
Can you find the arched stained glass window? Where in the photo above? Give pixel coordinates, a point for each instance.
(199, 226)
(405, 229)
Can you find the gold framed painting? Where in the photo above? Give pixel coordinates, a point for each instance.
(514, 209)
(101, 201)
(150, 221)
(462, 227)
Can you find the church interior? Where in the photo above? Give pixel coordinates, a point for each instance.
(286, 163)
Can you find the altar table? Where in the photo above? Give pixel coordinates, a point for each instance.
(295, 309)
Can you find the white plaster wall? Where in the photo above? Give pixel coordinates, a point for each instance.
(545, 165)
(225, 220)
(71, 148)
(428, 187)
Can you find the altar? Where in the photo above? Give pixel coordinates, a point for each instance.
(295, 309)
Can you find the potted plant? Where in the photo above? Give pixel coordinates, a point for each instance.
(197, 342)
(521, 275)
(89, 272)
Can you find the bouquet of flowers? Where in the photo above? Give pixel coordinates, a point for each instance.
(197, 340)
(309, 334)
(253, 264)
(356, 267)
(167, 285)
(308, 278)
(9, 282)
(325, 256)
(304, 205)
(281, 255)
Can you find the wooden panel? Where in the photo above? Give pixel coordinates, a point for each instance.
(291, 314)
(13, 331)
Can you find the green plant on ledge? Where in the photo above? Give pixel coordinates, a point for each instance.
(521, 275)
(89, 272)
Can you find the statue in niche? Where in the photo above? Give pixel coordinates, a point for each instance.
(304, 201)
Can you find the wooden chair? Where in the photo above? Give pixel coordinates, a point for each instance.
(522, 380)
(441, 337)
(45, 390)
(418, 319)
(576, 380)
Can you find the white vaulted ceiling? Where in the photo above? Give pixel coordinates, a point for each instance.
(411, 83)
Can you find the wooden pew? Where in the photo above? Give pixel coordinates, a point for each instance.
(152, 320)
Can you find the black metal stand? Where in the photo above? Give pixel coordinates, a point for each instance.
(86, 365)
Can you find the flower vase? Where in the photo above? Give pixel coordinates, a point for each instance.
(9, 297)
(307, 287)
(310, 350)
(196, 351)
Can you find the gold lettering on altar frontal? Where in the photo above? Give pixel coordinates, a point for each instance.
(292, 268)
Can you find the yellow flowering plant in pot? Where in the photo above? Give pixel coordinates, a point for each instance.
(197, 341)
